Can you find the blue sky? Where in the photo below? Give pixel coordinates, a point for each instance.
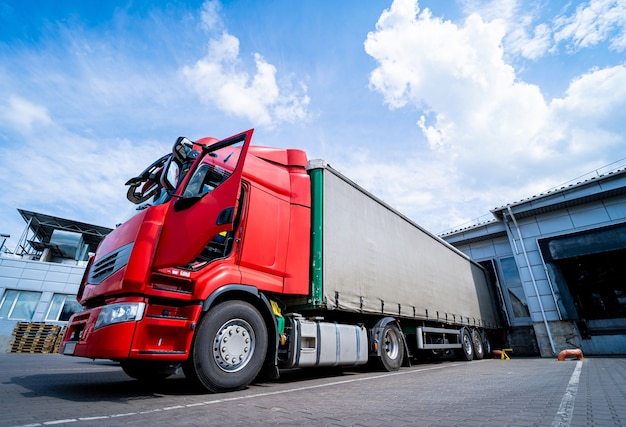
(443, 109)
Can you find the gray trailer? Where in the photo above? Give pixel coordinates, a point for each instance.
(407, 290)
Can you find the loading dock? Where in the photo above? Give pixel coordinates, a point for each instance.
(558, 259)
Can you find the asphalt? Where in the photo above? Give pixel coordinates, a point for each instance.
(40, 390)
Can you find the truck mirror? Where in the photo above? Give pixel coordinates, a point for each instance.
(182, 149)
(170, 175)
(147, 183)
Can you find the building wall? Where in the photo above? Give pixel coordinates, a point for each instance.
(45, 278)
(575, 219)
(553, 332)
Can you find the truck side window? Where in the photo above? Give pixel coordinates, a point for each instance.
(204, 180)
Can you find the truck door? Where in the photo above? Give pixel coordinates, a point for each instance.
(204, 204)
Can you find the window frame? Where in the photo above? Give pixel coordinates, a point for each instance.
(16, 301)
(511, 284)
(59, 311)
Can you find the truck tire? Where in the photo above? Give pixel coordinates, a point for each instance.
(467, 349)
(147, 370)
(391, 348)
(486, 344)
(229, 348)
(477, 341)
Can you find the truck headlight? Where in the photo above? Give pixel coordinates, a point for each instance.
(118, 313)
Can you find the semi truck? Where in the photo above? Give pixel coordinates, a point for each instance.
(244, 260)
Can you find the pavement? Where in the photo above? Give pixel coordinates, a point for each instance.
(599, 399)
(42, 390)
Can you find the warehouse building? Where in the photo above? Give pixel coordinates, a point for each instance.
(558, 263)
(39, 278)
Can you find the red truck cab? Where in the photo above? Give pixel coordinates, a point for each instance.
(189, 279)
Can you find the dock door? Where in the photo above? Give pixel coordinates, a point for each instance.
(589, 271)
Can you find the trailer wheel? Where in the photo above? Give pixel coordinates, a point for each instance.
(486, 344)
(147, 370)
(477, 340)
(392, 348)
(230, 347)
(467, 350)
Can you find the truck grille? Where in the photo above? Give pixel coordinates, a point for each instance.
(108, 265)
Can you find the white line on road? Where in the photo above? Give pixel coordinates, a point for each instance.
(250, 396)
(563, 417)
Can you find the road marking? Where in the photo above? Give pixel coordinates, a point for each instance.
(231, 399)
(563, 417)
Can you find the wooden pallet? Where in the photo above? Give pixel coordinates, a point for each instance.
(59, 340)
(35, 337)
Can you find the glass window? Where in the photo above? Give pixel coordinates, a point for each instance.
(518, 302)
(7, 303)
(19, 305)
(63, 307)
(70, 307)
(513, 283)
(55, 307)
(214, 169)
(205, 179)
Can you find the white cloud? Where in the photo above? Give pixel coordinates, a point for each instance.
(591, 115)
(220, 78)
(523, 35)
(22, 115)
(595, 95)
(592, 23)
(532, 36)
(67, 175)
(456, 74)
(210, 15)
(484, 126)
(531, 46)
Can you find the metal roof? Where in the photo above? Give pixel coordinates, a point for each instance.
(43, 225)
(600, 187)
(590, 190)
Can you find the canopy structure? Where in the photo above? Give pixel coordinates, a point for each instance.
(40, 228)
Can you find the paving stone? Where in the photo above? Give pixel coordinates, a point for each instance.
(39, 389)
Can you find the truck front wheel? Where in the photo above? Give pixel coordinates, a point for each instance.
(392, 348)
(229, 348)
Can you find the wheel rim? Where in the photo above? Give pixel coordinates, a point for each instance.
(467, 343)
(391, 344)
(478, 345)
(234, 345)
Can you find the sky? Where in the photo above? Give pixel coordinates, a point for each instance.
(445, 110)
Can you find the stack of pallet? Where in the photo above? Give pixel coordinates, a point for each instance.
(36, 338)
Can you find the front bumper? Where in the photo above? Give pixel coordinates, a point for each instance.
(164, 333)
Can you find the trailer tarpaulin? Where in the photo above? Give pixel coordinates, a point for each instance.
(376, 260)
